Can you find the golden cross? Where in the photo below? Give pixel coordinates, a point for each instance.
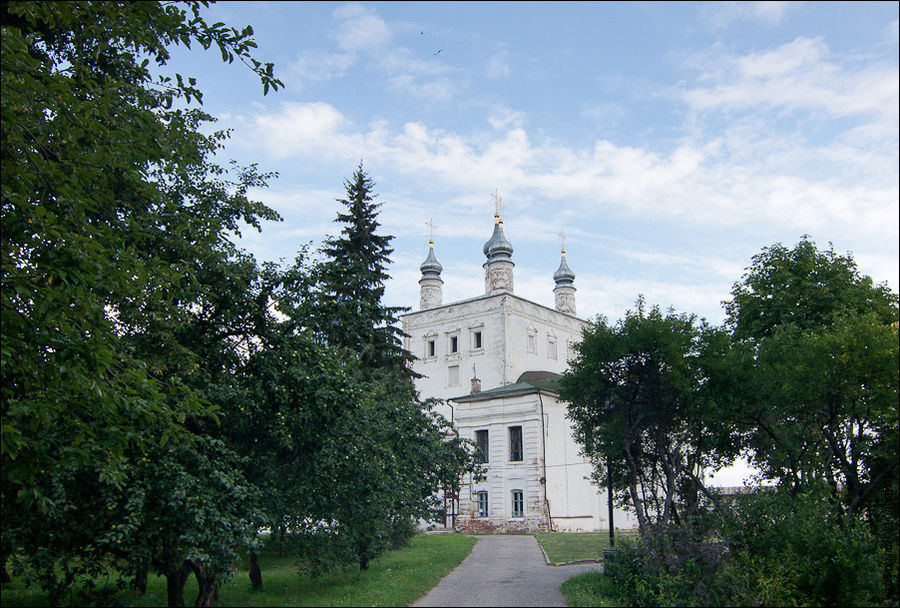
(431, 226)
(562, 240)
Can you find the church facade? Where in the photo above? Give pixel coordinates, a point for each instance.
(495, 360)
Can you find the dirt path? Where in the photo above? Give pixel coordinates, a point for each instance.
(504, 571)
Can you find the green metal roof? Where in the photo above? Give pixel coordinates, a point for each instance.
(528, 382)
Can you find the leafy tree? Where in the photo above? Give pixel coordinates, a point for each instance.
(113, 217)
(804, 288)
(637, 397)
(817, 345)
(822, 342)
(374, 455)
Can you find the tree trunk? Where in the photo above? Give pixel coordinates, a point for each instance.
(363, 552)
(255, 572)
(208, 593)
(281, 535)
(139, 583)
(643, 524)
(175, 581)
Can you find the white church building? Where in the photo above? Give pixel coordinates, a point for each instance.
(495, 359)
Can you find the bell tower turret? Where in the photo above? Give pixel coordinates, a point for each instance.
(498, 270)
(431, 284)
(564, 291)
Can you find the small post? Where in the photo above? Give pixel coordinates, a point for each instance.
(609, 500)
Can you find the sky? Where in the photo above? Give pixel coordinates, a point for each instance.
(669, 142)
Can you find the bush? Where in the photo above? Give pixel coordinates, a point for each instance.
(402, 532)
(792, 550)
(774, 550)
(667, 567)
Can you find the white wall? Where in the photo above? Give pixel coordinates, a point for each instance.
(505, 321)
(575, 503)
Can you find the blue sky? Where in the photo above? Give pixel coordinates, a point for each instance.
(670, 141)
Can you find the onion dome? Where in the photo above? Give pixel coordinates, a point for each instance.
(563, 275)
(431, 268)
(498, 248)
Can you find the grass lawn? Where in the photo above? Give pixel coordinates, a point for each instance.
(571, 546)
(589, 589)
(395, 579)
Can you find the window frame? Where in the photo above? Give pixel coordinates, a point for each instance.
(516, 444)
(485, 448)
(531, 334)
(482, 504)
(450, 375)
(517, 501)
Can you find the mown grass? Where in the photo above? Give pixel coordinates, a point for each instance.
(395, 579)
(589, 589)
(562, 547)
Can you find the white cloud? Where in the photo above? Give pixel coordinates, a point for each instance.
(703, 184)
(604, 114)
(433, 90)
(501, 117)
(321, 65)
(799, 75)
(893, 31)
(360, 28)
(298, 128)
(720, 15)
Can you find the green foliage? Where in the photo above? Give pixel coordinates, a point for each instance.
(816, 348)
(792, 550)
(638, 399)
(350, 284)
(825, 406)
(345, 454)
(803, 288)
(397, 578)
(777, 550)
(806, 383)
(590, 589)
(115, 228)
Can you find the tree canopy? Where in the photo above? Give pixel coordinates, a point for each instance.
(637, 397)
(116, 231)
(803, 378)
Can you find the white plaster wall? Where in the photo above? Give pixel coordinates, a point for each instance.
(576, 503)
(523, 318)
(505, 321)
(503, 476)
(459, 318)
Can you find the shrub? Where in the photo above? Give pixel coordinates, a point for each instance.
(673, 566)
(792, 550)
(401, 533)
(774, 549)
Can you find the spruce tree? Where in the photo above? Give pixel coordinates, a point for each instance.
(351, 283)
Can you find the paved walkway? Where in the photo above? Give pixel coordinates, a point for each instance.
(504, 571)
